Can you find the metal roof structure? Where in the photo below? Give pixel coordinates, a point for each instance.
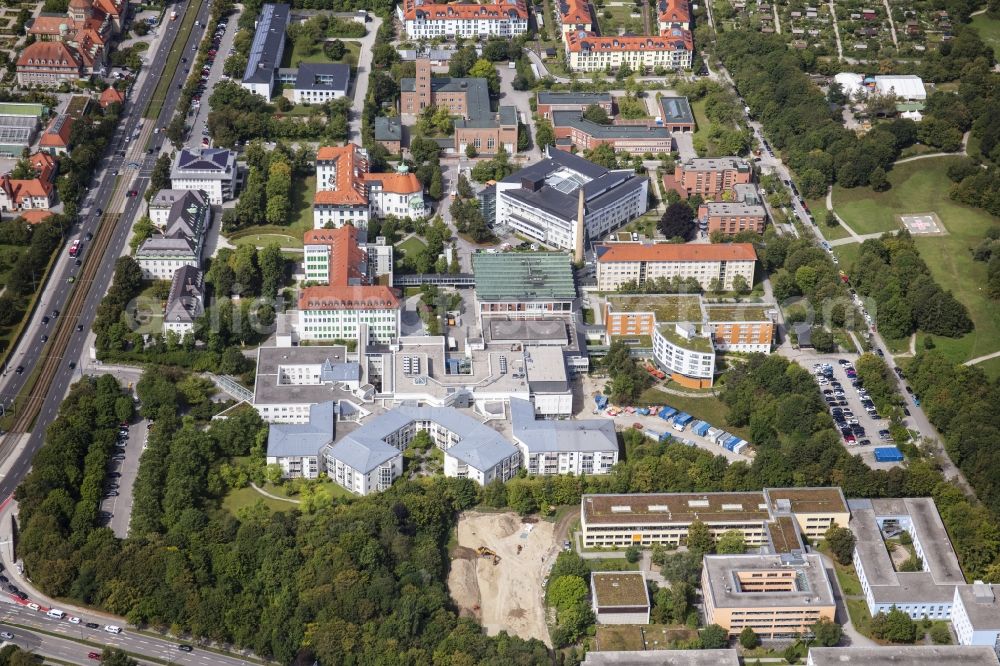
(547, 436)
(268, 40)
(303, 439)
(523, 276)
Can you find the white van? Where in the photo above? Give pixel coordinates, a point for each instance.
(112, 629)
(56, 613)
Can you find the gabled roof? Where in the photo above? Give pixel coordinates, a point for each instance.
(35, 215)
(675, 39)
(303, 439)
(396, 183)
(57, 134)
(323, 76)
(111, 95)
(185, 302)
(348, 263)
(350, 164)
(374, 297)
(48, 54)
(428, 11)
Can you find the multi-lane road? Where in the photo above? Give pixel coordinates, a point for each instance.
(113, 181)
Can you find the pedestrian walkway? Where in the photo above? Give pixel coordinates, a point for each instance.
(274, 497)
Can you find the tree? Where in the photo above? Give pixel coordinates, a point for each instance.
(740, 285)
(335, 50)
(841, 543)
(436, 189)
(567, 591)
(699, 538)
(10, 310)
(596, 114)
(940, 634)
(484, 69)
(878, 180)
(731, 542)
(470, 151)
(749, 639)
(822, 340)
(604, 155)
(632, 554)
(677, 221)
(895, 626)
(713, 637)
(826, 633)
(544, 134)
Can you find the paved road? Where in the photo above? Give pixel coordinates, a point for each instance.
(120, 507)
(361, 79)
(55, 293)
(51, 647)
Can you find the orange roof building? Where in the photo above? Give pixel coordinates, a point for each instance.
(618, 263)
(426, 20)
(111, 95)
(48, 64)
(56, 137)
(28, 194)
(673, 14)
(86, 28)
(574, 15)
(346, 193)
(588, 52)
(347, 299)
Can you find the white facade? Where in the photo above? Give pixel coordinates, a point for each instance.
(162, 265)
(211, 170)
(569, 446)
(611, 274)
(502, 471)
(383, 325)
(296, 467)
(421, 25)
(975, 614)
(331, 215)
(683, 350)
(359, 482)
(398, 204)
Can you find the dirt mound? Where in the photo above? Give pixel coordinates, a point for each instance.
(464, 587)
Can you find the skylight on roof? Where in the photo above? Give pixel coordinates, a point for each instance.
(621, 508)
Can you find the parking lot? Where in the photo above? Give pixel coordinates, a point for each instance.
(857, 422)
(121, 477)
(222, 43)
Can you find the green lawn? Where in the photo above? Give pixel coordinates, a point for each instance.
(613, 564)
(295, 55)
(990, 367)
(411, 245)
(708, 409)
(847, 255)
(244, 497)
(621, 17)
(701, 121)
(300, 220)
(860, 617)
(850, 585)
(922, 186)
(989, 29)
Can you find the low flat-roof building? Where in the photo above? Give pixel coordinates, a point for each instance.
(723, 657)
(19, 122)
(290, 380)
(975, 614)
(568, 202)
(618, 263)
(778, 596)
(563, 446)
(266, 49)
(318, 83)
(619, 521)
(895, 655)
(677, 115)
(620, 597)
(929, 592)
(548, 102)
(572, 129)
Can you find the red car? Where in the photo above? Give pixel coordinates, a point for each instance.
(133, 193)
(94, 655)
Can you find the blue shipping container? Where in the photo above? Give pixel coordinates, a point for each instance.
(683, 418)
(702, 429)
(888, 454)
(601, 400)
(667, 412)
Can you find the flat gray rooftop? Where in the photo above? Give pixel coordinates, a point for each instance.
(663, 658)
(813, 585)
(267, 390)
(547, 331)
(905, 655)
(982, 605)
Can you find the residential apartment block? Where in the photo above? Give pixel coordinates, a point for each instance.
(423, 19)
(563, 446)
(469, 99)
(568, 202)
(211, 170)
(673, 14)
(587, 52)
(619, 521)
(745, 212)
(182, 236)
(685, 351)
(778, 596)
(711, 176)
(618, 263)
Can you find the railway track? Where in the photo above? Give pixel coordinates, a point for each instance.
(65, 324)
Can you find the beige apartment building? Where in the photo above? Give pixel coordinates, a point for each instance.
(618, 263)
(711, 176)
(778, 596)
(765, 517)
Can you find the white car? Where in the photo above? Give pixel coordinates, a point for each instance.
(112, 629)
(73, 620)
(33, 606)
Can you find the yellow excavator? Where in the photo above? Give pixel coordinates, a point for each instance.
(488, 553)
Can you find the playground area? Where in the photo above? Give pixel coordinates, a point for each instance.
(498, 569)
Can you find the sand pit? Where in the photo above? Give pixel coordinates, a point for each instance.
(507, 596)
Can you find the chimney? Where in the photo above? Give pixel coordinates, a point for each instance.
(578, 254)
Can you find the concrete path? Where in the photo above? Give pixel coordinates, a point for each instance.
(274, 497)
(361, 79)
(855, 238)
(892, 24)
(829, 207)
(836, 31)
(980, 359)
(777, 19)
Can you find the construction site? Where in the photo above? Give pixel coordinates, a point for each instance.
(498, 569)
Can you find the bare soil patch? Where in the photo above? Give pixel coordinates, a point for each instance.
(507, 596)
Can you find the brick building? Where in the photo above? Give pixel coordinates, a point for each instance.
(572, 129)
(745, 212)
(711, 176)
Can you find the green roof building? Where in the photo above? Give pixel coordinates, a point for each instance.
(524, 281)
(19, 122)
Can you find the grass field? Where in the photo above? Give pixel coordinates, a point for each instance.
(818, 209)
(300, 220)
(922, 186)
(263, 240)
(847, 255)
(701, 121)
(990, 367)
(411, 245)
(860, 617)
(621, 17)
(173, 58)
(245, 497)
(709, 409)
(989, 29)
(295, 55)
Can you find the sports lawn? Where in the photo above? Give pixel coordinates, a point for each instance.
(922, 186)
(989, 29)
